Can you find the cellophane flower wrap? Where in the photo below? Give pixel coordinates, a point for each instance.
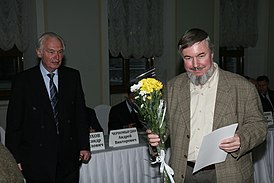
(151, 108)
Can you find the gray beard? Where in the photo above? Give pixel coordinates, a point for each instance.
(201, 80)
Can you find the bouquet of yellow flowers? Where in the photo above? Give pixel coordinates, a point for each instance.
(151, 108)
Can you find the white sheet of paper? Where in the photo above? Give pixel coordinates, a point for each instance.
(210, 153)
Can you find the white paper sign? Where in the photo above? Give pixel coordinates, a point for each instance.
(96, 141)
(269, 118)
(210, 153)
(123, 137)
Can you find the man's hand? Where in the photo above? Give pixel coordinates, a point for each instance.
(153, 139)
(85, 155)
(231, 144)
(91, 130)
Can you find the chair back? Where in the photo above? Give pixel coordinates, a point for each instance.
(102, 112)
(2, 135)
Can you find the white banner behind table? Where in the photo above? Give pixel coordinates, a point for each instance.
(123, 137)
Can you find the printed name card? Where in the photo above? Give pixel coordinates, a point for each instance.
(96, 141)
(123, 137)
(269, 118)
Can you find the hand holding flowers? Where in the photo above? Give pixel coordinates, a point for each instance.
(151, 108)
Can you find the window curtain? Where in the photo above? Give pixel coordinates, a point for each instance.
(135, 28)
(238, 23)
(14, 24)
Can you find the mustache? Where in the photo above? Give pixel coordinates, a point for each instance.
(196, 68)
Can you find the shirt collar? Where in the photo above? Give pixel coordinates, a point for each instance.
(44, 70)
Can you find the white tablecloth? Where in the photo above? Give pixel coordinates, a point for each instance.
(120, 165)
(131, 164)
(263, 157)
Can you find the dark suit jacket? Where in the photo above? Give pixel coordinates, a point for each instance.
(119, 116)
(93, 121)
(31, 132)
(266, 106)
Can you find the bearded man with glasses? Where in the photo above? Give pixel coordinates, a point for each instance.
(204, 99)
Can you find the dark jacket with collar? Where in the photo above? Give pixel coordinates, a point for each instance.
(265, 102)
(31, 132)
(119, 116)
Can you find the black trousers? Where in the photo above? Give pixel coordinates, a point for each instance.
(206, 175)
(60, 178)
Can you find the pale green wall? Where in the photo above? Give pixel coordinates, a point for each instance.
(256, 58)
(84, 27)
(80, 24)
(270, 58)
(194, 14)
(83, 24)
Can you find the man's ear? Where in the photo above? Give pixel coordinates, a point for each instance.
(39, 53)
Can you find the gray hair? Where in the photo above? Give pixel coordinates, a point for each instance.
(44, 36)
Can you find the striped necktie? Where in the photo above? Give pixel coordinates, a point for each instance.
(54, 99)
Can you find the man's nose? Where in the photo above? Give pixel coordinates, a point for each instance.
(195, 62)
(58, 56)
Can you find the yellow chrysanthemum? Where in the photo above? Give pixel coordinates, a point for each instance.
(150, 84)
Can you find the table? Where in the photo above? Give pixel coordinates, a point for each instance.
(128, 164)
(263, 160)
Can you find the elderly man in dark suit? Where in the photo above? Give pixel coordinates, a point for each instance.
(206, 98)
(47, 129)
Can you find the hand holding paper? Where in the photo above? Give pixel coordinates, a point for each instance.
(210, 153)
(231, 144)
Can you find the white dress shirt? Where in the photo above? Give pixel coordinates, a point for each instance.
(202, 104)
(47, 79)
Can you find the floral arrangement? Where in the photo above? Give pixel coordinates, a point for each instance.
(151, 108)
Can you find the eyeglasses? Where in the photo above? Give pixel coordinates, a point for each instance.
(53, 52)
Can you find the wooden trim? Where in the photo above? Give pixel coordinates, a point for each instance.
(17, 63)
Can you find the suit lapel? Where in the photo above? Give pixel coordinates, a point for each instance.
(42, 93)
(223, 98)
(64, 89)
(61, 86)
(184, 100)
